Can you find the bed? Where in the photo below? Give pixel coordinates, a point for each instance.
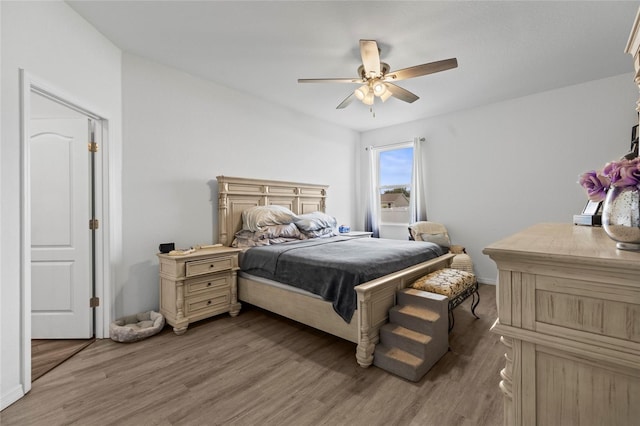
(374, 298)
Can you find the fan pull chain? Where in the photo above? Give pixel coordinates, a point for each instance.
(373, 113)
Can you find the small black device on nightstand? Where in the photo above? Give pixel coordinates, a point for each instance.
(167, 247)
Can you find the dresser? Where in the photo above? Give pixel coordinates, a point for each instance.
(198, 285)
(569, 316)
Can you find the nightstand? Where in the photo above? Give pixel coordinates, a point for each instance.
(198, 285)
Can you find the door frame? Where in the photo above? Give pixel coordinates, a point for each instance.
(103, 313)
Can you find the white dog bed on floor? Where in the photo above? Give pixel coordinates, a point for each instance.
(136, 327)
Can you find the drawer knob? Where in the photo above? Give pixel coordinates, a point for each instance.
(208, 302)
(208, 284)
(211, 266)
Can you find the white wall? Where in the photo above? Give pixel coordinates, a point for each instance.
(494, 170)
(180, 132)
(49, 40)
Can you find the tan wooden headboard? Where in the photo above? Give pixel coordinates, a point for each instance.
(238, 194)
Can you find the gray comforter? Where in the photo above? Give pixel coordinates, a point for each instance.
(332, 267)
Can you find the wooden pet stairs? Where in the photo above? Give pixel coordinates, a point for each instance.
(416, 336)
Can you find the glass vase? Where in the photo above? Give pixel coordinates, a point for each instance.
(621, 217)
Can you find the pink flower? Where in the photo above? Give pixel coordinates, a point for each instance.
(626, 174)
(595, 184)
(623, 174)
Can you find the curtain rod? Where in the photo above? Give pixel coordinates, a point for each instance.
(393, 144)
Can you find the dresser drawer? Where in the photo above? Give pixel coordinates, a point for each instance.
(601, 308)
(207, 301)
(206, 266)
(213, 282)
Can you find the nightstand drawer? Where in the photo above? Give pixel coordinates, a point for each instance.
(220, 281)
(209, 301)
(199, 267)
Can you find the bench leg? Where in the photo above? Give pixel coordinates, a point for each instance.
(474, 302)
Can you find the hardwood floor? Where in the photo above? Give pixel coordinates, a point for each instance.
(47, 354)
(261, 369)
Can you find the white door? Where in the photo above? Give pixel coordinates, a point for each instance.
(61, 245)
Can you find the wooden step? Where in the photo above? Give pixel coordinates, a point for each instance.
(412, 296)
(415, 318)
(394, 335)
(402, 363)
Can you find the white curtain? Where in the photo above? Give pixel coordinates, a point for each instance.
(373, 198)
(417, 203)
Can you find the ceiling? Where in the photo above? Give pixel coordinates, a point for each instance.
(504, 49)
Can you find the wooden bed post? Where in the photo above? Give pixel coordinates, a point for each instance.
(365, 348)
(222, 217)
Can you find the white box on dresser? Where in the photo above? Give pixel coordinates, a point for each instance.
(569, 315)
(198, 285)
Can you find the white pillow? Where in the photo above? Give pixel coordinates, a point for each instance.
(320, 233)
(439, 239)
(290, 230)
(256, 218)
(315, 221)
(271, 234)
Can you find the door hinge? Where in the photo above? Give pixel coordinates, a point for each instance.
(94, 302)
(94, 224)
(93, 147)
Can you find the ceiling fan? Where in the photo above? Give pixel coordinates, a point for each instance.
(377, 81)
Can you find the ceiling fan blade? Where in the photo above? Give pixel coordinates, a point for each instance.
(346, 101)
(402, 94)
(329, 80)
(370, 57)
(424, 69)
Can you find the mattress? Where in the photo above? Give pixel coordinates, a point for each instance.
(333, 267)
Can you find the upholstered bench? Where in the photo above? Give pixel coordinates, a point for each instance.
(457, 285)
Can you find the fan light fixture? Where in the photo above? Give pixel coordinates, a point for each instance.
(361, 92)
(373, 88)
(368, 99)
(379, 88)
(385, 95)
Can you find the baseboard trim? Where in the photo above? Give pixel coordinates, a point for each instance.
(10, 397)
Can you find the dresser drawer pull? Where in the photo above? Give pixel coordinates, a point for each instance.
(208, 284)
(208, 302)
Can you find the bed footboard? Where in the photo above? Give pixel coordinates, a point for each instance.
(376, 297)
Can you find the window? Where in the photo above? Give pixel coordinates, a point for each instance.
(395, 195)
(394, 184)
